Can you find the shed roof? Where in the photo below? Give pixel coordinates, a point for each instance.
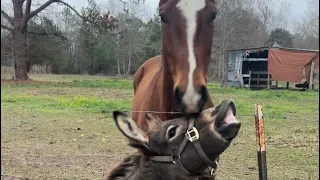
(266, 48)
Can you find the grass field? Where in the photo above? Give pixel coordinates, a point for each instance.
(65, 131)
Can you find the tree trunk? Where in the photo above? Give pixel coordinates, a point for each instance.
(123, 65)
(129, 63)
(19, 40)
(19, 43)
(118, 62)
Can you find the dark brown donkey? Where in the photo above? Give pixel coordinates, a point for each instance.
(176, 81)
(174, 150)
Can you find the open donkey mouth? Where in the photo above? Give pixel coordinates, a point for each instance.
(226, 123)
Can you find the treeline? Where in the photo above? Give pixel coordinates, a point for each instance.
(118, 43)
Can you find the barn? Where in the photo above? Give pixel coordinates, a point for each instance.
(261, 67)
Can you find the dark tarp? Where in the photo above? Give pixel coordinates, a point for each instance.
(287, 65)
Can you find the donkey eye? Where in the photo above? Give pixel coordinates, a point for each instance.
(171, 132)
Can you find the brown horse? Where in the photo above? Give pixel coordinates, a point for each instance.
(166, 150)
(176, 81)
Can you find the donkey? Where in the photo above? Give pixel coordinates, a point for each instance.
(166, 150)
(176, 80)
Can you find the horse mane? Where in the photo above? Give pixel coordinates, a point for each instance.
(128, 165)
(137, 78)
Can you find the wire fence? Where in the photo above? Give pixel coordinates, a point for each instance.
(109, 111)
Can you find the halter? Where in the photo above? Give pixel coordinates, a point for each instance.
(192, 135)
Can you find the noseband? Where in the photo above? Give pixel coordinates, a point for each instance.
(192, 135)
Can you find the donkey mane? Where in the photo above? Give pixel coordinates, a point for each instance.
(129, 164)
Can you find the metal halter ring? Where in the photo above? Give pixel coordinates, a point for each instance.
(192, 137)
(172, 159)
(213, 170)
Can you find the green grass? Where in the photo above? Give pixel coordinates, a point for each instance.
(65, 131)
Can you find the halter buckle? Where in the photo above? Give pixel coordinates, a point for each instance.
(194, 136)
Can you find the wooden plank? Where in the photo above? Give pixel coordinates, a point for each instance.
(255, 59)
(259, 86)
(259, 79)
(268, 81)
(245, 75)
(263, 85)
(311, 75)
(250, 79)
(259, 72)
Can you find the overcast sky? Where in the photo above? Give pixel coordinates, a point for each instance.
(297, 8)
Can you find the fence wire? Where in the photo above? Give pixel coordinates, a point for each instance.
(110, 111)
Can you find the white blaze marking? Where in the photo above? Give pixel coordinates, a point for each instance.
(189, 9)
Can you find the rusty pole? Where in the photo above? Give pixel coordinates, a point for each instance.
(262, 160)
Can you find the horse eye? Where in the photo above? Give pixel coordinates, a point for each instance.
(163, 19)
(212, 16)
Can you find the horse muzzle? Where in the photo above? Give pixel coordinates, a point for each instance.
(190, 102)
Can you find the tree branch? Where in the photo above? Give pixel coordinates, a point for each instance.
(5, 15)
(27, 12)
(84, 18)
(28, 6)
(48, 34)
(42, 7)
(6, 27)
(69, 6)
(49, 2)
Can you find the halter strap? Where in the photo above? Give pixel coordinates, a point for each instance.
(192, 135)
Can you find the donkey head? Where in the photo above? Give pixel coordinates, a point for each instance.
(216, 128)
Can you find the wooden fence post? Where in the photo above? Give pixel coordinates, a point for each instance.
(262, 160)
(268, 81)
(311, 75)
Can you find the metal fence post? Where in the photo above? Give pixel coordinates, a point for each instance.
(262, 160)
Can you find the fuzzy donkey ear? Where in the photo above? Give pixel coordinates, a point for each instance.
(128, 128)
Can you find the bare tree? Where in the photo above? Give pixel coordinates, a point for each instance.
(307, 29)
(236, 26)
(133, 38)
(18, 26)
(273, 13)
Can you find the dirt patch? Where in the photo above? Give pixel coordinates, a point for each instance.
(5, 177)
(20, 82)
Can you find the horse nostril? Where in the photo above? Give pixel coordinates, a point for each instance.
(178, 95)
(203, 93)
